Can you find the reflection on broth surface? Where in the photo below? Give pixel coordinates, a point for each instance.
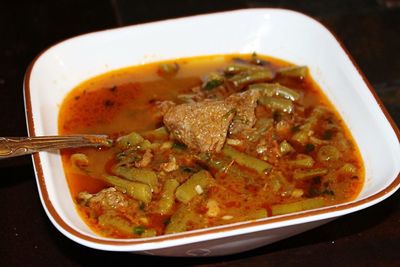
(205, 141)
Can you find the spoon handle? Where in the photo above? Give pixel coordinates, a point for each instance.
(18, 146)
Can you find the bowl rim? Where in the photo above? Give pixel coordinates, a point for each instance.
(99, 242)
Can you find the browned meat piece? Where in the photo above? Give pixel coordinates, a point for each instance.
(244, 104)
(201, 126)
(147, 157)
(109, 198)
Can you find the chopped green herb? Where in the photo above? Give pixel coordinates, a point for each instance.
(188, 169)
(142, 206)
(309, 147)
(316, 180)
(213, 80)
(328, 192)
(179, 146)
(327, 135)
(139, 230)
(232, 111)
(295, 129)
(167, 221)
(277, 116)
(256, 60)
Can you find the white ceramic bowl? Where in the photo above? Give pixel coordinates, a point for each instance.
(276, 32)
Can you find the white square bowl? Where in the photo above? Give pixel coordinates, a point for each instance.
(279, 33)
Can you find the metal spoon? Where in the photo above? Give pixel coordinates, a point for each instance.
(18, 146)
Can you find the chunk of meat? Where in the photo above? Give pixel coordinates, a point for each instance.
(146, 159)
(245, 104)
(109, 198)
(170, 166)
(201, 126)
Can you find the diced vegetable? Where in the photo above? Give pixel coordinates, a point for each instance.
(285, 148)
(139, 191)
(186, 191)
(306, 204)
(300, 137)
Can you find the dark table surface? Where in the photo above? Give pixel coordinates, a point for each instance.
(370, 29)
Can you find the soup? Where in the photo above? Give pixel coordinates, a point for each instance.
(205, 141)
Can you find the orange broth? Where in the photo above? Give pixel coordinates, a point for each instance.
(124, 101)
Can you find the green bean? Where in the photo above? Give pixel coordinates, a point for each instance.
(301, 137)
(257, 214)
(130, 140)
(308, 174)
(262, 125)
(243, 78)
(180, 219)
(275, 89)
(212, 81)
(328, 153)
(306, 204)
(139, 191)
(275, 103)
(114, 221)
(237, 68)
(194, 186)
(148, 232)
(167, 199)
(246, 160)
(303, 161)
(218, 162)
(278, 182)
(145, 176)
(297, 71)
